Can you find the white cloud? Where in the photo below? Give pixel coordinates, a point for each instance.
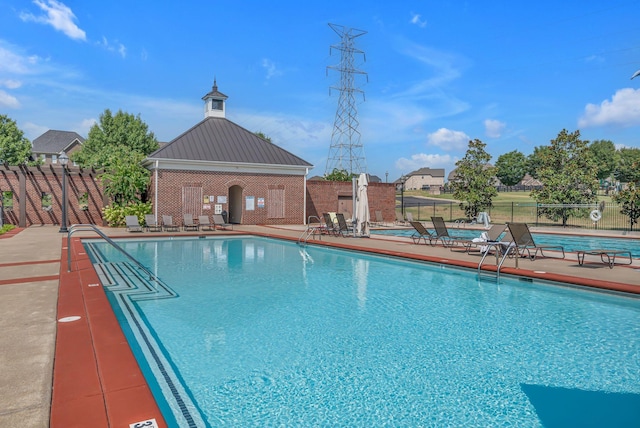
(493, 128)
(14, 63)
(271, 68)
(85, 126)
(58, 15)
(10, 83)
(448, 140)
(422, 160)
(33, 131)
(622, 110)
(117, 47)
(9, 101)
(416, 20)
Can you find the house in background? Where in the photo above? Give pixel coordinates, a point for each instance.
(425, 179)
(219, 167)
(49, 145)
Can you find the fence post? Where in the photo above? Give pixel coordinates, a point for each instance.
(512, 211)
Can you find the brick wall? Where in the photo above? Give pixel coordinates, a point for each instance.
(171, 184)
(28, 184)
(323, 196)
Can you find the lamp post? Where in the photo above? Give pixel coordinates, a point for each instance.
(402, 180)
(64, 160)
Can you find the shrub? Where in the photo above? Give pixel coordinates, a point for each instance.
(6, 228)
(115, 214)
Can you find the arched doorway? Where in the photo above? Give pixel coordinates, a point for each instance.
(235, 204)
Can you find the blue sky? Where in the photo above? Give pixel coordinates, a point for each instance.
(512, 74)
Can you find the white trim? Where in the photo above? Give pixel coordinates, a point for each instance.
(233, 167)
(155, 196)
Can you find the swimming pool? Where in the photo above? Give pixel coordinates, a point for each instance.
(249, 331)
(571, 243)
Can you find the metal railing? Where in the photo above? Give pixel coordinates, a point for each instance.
(528, 212)
(92, 228)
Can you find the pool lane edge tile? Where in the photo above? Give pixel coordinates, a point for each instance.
(91, 372)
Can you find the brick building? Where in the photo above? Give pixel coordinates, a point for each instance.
(218, 167)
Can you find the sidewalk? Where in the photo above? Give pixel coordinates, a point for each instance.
(29, 274)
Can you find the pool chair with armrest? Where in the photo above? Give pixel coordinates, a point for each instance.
(330, 225)
(343, 227)
(132, 223)
(524, 244)
(168, 224)
(188, 223)
(205, 224)
(151, 224)
(491, 236)
(421, 233)
(400, 219)
(442, 235)
(218, 221)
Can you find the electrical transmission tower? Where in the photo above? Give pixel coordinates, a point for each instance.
(346, 151)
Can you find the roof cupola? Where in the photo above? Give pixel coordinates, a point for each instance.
(214, 102)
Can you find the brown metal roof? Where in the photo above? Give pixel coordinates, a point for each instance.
(220, 140)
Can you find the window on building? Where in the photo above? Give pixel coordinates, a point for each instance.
(275, 202)
(216, 105)
(54, 158)
(47, 201)
(7, 199)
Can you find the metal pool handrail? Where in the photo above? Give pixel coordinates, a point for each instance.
(91, 227)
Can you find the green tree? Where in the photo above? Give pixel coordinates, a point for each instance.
(125, 180)
(339, 175)
(535, 160)
(474, 180)
(629, 198)
(15, 148)
(122, 133)
(628, 166)
(604, 155)
(566, 173)
(263, 136)
(511, 168)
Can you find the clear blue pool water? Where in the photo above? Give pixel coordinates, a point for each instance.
(571, 243)
(249, 331)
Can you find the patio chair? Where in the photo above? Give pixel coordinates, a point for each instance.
(523, 242)
(442, 235)
(218, 221)
(400, 219)
(420, 233)
(168, 224)
(343, 227)
(205, 224)
(151, 224)
(330, 226)
(188, 223)
(132, 223)
(491, 236)
(409, 217)
(380, 219)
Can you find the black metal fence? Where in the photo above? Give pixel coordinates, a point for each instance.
(608, 215)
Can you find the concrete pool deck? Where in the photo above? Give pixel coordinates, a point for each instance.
(95, 380)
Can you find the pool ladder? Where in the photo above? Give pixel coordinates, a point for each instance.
(499, 250)
(310, 231)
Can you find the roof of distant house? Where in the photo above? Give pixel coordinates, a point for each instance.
(55, 142)
(217, 139)
(434, 172)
